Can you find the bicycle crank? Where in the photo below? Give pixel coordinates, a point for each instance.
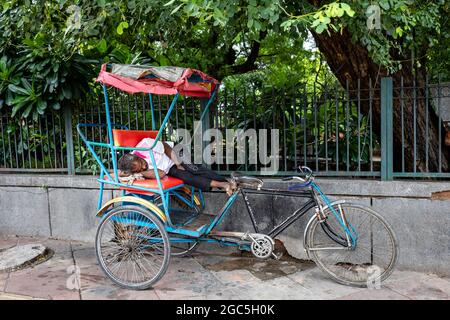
(262, 245)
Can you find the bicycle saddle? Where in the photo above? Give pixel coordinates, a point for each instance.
(247, 181)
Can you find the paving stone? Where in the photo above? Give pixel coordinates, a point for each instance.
(235, 276)
(3, 279)
(77, 245)
(422, 287)
(275, 289)
(43, 281)
(85, 257)
(374, 294)
(27, 240)
(186, 278)
(9, 296)
(7, 242)
(107, 292)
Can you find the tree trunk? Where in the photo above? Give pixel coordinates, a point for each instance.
(350, 61)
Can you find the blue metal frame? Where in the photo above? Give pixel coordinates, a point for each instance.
(113, 180)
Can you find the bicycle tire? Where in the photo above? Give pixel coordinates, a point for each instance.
(145, 217)
(350, 266)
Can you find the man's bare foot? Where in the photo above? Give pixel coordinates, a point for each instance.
(228, 187)
(232, 183)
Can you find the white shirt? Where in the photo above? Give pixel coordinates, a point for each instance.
(163, 162)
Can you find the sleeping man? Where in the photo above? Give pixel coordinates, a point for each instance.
(167, 163)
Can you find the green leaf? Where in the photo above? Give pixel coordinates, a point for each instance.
(102, 46)
(176, 9)
(121, 26)
(320, 28)
(384, 4)
(41, 106)
(66, 92)
(17, 89)
(56, 106)
(348, 9)
(171, 2)
(27, 111)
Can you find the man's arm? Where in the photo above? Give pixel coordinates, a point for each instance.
(150, 174)
(172, 155)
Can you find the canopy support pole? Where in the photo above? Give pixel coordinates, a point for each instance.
(110, 135)
(206, 109)
(152, 108)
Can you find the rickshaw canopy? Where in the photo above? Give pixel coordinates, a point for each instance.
(157, 80)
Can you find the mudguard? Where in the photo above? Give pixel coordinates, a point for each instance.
(139, 201)
(313, 218)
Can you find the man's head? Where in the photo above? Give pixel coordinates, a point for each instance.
(130, 163)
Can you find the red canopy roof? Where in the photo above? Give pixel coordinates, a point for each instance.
(158, 80)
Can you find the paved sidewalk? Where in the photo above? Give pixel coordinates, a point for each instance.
(211, 273)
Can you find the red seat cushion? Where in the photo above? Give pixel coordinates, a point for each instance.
(130, 138)
(167, 182)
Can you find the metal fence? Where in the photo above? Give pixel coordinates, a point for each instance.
(337, 131)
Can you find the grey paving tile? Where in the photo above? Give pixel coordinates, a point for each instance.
(374, 294)
(320, 286)
(47, 281)
(422, 287)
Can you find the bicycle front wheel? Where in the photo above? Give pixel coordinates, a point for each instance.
(132, 247)
(364, 261)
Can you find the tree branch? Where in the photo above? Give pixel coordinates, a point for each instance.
(249, 64)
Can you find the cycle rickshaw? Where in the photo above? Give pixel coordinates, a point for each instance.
(155, 219)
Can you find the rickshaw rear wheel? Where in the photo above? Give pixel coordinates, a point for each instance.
(132, 247)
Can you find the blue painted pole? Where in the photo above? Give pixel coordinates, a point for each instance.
(110, 135)
(152, 109)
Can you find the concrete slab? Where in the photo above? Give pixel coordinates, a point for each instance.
(275, 289)
(374, 294)
(46, 281)
(60, 250)
(3, 278)
(185, 278)
(422, 287)
(19, 217)
(19, 256)
(73, 213)
(7, 242)
(320, 286)
(9, 296)
(109, 292)
(422, 229)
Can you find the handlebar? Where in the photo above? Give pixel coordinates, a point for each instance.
(304, 181)
(308, 175)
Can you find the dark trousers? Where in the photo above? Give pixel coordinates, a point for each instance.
(196, 175)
